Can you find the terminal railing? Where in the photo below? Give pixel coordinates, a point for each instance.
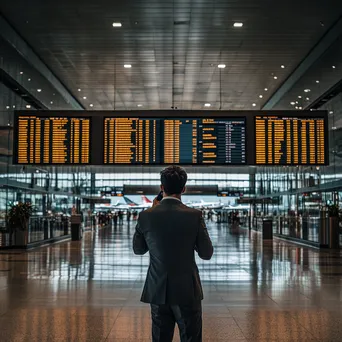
(310, 230)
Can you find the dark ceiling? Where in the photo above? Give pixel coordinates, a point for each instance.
(174, 48)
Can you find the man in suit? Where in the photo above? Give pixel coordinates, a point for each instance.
(171, 232)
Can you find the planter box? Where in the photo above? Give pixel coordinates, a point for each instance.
(21, 238)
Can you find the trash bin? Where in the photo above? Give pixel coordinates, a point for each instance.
(76, 233)
(267, 230)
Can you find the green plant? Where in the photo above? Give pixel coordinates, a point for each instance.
(18, 215)
(334, 210)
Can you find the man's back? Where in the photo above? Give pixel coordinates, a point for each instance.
(171, 232)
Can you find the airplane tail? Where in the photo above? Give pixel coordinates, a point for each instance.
(145, 199)
(129, 202)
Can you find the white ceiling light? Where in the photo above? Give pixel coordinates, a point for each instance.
(13, 106)
(238, 24)
(296, 102)
(292, 103)
(21, 72)
(282, 66)
(254, 104)
(91, 105)
(296, 107)
(331, 112)
(300, 107)
(221, 66)
(7, 107)
(117, 24)
(28, 106)
(127, 66)
(334, 128)
(51, 102)
(139, 105)
(207, 105)
(307, 90)
(275, 77)
(29, 79)
(261, 96)
(299, 96)
(334, 67)
(307, 99)
(39, 90)
(317, 81)
(266, 89)
(84, 97)
(79, 89)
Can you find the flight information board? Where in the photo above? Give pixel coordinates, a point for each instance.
(290, 140)
(209, 140)
(52, 140)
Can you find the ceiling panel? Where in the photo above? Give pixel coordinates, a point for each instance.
(174, 48)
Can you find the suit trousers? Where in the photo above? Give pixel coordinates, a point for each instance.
(187, 317)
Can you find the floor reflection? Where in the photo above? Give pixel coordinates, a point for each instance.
(90, 290)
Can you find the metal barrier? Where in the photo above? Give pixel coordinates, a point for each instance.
(46, 228)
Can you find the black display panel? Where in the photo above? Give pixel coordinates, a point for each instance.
(52, 140)
(208, 140)
(287, 140)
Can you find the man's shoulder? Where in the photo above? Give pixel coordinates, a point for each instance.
(192, 210)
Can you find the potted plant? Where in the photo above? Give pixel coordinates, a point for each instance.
(334, 213)
(18, 217)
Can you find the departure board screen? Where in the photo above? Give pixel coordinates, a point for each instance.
(290, 140)
(174, 141)
(52, 140)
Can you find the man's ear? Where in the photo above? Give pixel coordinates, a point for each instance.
(183, 190)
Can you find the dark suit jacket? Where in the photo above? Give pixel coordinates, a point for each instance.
(171, 232)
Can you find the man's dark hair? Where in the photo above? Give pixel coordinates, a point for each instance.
(173, 178)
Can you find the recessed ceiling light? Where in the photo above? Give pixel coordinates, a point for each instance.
(296, 107)
(275, 77)
(253, 104)
(13, 106)
(51, 102)
(29, 79)
(331, 112)
(317, 81)
(266, 89)
(79, 89)
(207, 105)
(296, 102)
(334, 67)
(238, 24)
(307, 99)
(261, 96)
(139, 105)
(28, 106)
(84, 97)
(334, 128)
(300, 107)
(21, 72)
(39, 90)
(117, 24)
(91, 105)
(282, 66)
(292, 103)
(221, 66)
(7, 107)
(307, 90)
(127, 66)
(299, 96)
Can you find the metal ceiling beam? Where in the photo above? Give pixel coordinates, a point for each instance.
(317, 51)
(18, 43)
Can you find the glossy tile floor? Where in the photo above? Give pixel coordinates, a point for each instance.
(90, 290)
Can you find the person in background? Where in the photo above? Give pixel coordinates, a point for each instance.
(172, 232)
